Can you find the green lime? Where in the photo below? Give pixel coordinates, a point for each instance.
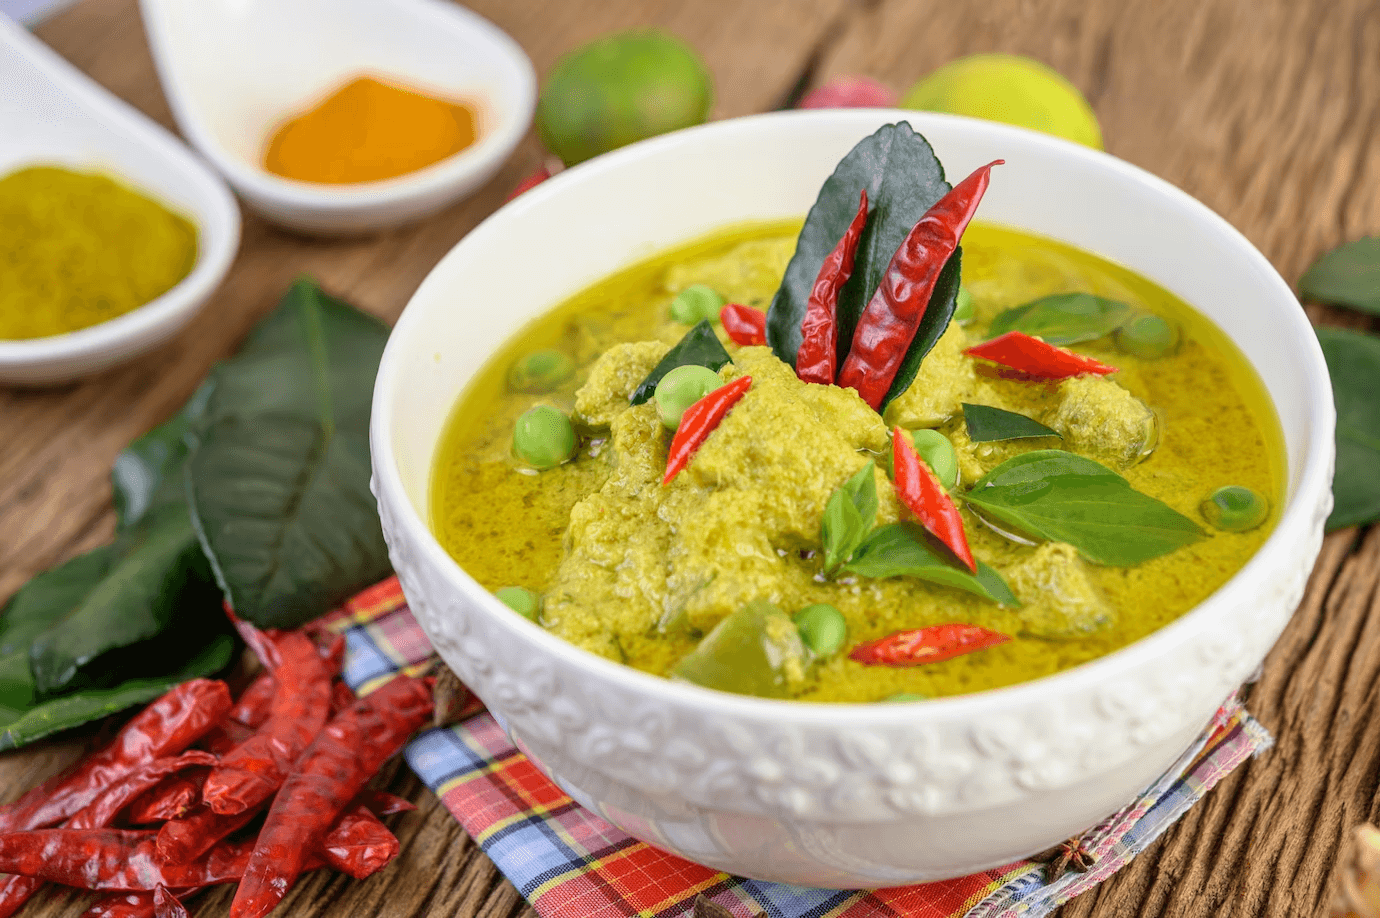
(619, 89)
(1011, 89)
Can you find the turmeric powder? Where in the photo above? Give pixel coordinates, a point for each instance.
(77, 249)
(368, 131)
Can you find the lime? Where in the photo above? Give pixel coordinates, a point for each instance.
(620, 89)
(1011, 89)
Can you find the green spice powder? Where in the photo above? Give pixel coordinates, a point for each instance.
(77, 249)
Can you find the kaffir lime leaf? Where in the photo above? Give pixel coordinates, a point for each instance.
(1011, 89)
(619, 89)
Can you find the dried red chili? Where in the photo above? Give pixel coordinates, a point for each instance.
(121, 905)
(170, 798)
(325, 779)
(342, 696)
(167, 905)
(926, 645)
(358, 844)
(382, 803)
(1035, 358)
(255, 703)
(164, 728)
(181, 841)
(889, 322)
(744, 325)
(699, 421)
(919, 489)
(252, 771)
(817, 358)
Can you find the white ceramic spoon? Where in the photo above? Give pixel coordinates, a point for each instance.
(53, 114)
(233, 70)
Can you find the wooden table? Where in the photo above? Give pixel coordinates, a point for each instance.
(1267, 110)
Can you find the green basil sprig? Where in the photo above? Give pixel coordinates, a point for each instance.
(1063, 318)
(986, 424)
(903, 550)
(700, 347)
(1353, 362)
(1347, 276)
(1056, 495)
(849, 516)
(903, 180)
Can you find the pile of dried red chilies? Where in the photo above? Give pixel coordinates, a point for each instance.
(160, 812)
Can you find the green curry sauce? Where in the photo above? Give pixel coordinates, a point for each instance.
(642, 574)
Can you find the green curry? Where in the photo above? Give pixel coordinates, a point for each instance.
(640, 572)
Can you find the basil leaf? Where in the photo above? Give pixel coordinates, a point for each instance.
(25, 722)
(153, 573)
(903, 180)
(986, 424)
(849, 516)
(943, 302)
(700, 348)
(1063, 318)
(902, 550)
(284, 513)
(1347, 276)
(1353, 361)
(148, 472)
(1063, 497)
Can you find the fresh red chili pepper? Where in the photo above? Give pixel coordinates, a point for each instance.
(892, 317)
(817, 358)
(358, 844)
(926, 645)
(121, 905)
(325, 779)
(699, 421)
(166, 727)
(170, 798)
(167, 905)
(919, 489)
(252, 771)
(120, 860)
(745, 326)
(1035, 358)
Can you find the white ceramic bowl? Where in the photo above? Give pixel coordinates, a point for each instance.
(841, 795)
(233, 70)
(53, 114)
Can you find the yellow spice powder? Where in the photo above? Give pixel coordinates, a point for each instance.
(367, 131)
(80, 248)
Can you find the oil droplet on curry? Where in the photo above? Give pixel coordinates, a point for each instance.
(642, 572)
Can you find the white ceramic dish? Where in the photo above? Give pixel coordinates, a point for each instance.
(233, 70)
(53, 114)
(842, 795)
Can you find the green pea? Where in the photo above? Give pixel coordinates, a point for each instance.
(963, 305)
(1235, 509)
(1147, 336)
(696, 303)
(543, 437)
(901, 697)
(822, 628)
(540, 371)
(939, 454)
(681, 388)
(521, 600)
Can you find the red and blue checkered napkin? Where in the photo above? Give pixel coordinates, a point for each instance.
(568, 861)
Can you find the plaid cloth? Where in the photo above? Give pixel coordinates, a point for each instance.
(567, 861)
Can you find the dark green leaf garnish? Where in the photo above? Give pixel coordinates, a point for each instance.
(278, 478)
(1056, 495)
(849, 517)
(903, 180)
(1353, 361)
(986, 424)
(153, 573)
(1346, 276)
(903, 550)
(148, 472)
(700, 347)
(1063, 318)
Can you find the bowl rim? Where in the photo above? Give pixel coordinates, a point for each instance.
(1314, 478)
(218, 234)
(429, 182)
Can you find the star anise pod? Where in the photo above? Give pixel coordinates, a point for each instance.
(1072, 854)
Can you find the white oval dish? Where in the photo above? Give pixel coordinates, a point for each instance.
(842, 795)
(234, 69)
(53, 114)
